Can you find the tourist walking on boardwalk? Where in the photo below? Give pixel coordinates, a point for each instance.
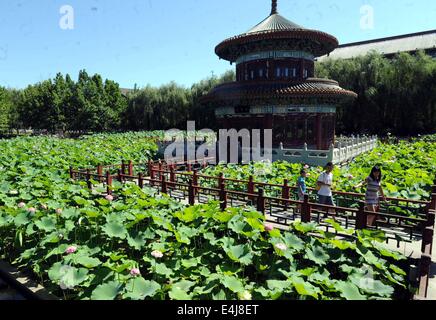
(373, 192)
(301, 185)
(325, 183)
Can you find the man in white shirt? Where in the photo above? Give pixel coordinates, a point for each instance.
(325, 182)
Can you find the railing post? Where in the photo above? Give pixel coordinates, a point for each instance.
(433, 199)
(429, 230)
(361, 217)
(108, 183)
(427, 240)
(88, 179)
(71, 173)
(306, 210)
(152, 175)
(189, 167)
(191, 194)
(195, 181)
(100, 172)
(261, 201)
(172, 176)
(150, 167)
(220, 180)
(141, 180)
(250, 188)
(431, 218)
(160, 169)
(123, 167)
(223, 197)
(424, 274)
(120, 175)
(164, 184)
(130, 168)
(286, 190)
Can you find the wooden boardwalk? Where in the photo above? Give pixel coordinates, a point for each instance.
(412, 236)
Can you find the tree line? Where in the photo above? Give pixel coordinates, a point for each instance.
(92, 104)
(395, 96)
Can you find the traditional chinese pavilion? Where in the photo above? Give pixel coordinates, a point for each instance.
(275, 86)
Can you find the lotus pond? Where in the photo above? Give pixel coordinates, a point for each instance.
(139, 245)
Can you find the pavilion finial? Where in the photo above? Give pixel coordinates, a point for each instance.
(274, 7)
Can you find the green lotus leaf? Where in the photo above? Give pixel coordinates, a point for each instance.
(349, 291)
(318, 255)
(162, 269)
(179, 294)
(232, 283)
(88, 262)
(67, 276)
(139, 289)
(293, 242)
(115, 230)
(305, 288)
(240, 253)
(46, 224)
(22, 219)
(70, 213)
(137, 242)
(107, 291)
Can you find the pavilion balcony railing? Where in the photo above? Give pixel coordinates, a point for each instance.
(342, 151)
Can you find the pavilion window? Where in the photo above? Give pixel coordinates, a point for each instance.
(278, 72)
(306, 73)
(294, 72)
(252, 74)
(261, 73)
(287, 72)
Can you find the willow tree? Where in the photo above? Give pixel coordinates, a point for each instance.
(396, 96)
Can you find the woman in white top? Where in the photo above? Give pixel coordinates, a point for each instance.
(325, 182)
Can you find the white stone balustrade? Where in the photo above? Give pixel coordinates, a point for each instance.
(344, 150)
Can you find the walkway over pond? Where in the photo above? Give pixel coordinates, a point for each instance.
(408, 223)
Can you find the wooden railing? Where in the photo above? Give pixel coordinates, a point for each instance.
(274, 200)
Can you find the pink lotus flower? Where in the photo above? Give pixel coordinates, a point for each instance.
(281, 246)
(31, 210)
(44, 207)
(306, 167)
(109, 198)
(21, 205)
(350, 177)
(135, 272)
(157, 254)
(268, 227)
(59, 211)
(71, 249)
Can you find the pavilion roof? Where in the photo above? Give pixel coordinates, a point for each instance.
(277, 28)
(274, 22)
(279, 90)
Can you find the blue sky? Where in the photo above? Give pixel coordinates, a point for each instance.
(157, 41)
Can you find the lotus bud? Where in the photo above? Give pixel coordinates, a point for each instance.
(71, 249)
(157, 254)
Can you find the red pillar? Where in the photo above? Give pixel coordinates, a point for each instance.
(319, 135)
